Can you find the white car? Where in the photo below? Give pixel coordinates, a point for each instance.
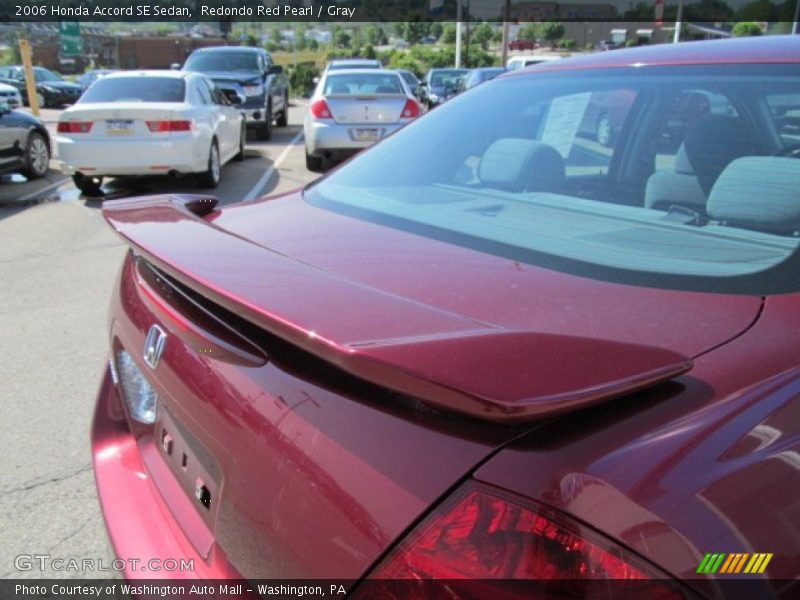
(10, 95)
(519, 62)
(352, 109)
(149, 123)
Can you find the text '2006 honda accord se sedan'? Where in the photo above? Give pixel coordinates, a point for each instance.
(491, 347)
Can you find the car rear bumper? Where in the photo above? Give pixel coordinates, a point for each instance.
(127, 157)
(324, 137)
(142, 530)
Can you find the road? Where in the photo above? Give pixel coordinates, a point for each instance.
(58, 262)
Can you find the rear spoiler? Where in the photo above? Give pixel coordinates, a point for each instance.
(444, 359)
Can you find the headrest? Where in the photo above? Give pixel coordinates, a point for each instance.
(758, 192)
(712, 144)
(518, 164)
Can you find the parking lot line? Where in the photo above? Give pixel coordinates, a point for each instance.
(268, 173)
(42, 191)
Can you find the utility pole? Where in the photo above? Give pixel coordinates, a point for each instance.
(505, 42)
(678, 23)
(458, 33)
(796, 17)
(30, 81)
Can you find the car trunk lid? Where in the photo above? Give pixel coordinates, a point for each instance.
(496, 370)
(111, 119)
(366, 109)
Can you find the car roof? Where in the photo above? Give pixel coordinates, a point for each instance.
(766, 49)
(230, 49)
(151, 73)
(542, 57)
(344, 61)
(356, 71)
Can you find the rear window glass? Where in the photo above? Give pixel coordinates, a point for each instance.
(363, 83)
(204, 62)
(337, 66)
(445, 78)
(676, 177)
(135, 89)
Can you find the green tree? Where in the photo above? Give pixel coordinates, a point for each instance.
(251, 40)
(369, 51)
(746, 28)
(448, 34)
(414, 31)
(341, 39)
(301, 78)
(528, 32)
(276, 35)
(313, 44)
(436, 29)
(300, 37)
(356, 39)
(372, 35)
(482, 35)
(552, 31)
(402, 60)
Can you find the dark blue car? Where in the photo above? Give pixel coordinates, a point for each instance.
(250, 74)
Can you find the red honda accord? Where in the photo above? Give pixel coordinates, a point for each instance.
(489, 348)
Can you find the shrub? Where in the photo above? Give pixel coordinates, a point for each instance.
(746, 29)
(301, 78)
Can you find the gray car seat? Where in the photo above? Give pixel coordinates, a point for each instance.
(522, 165)
(707, 150)
(758, 192)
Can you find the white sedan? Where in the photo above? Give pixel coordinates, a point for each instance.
(10, 95)
(149, 123)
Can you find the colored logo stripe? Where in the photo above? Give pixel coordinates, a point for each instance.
(734, 563)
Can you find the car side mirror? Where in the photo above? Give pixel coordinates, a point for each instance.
(175, 66)
(275, 70)
(423, 84)
(4, 108)
(315, 80)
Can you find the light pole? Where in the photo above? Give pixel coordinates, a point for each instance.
(678, 23)
(458, 33)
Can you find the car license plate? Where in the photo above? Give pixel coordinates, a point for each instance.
(119, 127)
(365, 135)
(191, 463)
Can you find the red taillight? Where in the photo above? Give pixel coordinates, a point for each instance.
(163, 126)
(74, 126)
(486, 534)
(319, 108)
(410, 110)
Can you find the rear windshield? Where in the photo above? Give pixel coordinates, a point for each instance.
(334, 66)
(675, 177)
(135, 89)
(445, 78)
(363, 83)
(245, 62)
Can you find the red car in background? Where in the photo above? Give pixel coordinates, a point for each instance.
(522, 45)
(532, 361)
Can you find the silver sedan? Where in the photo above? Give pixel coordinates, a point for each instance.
(352, 109)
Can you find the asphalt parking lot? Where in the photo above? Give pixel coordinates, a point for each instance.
(58, 262)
